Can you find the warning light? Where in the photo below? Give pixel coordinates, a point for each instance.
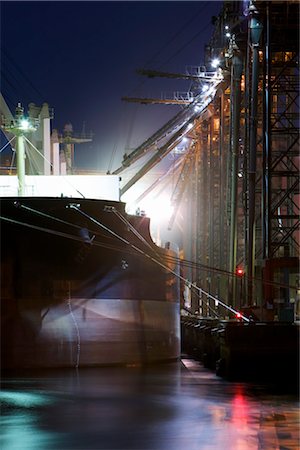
(238, 315)
(239, 271)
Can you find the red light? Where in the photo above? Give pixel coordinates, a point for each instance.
(239, 271)
(238, 315)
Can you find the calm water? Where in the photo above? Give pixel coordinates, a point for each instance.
(178, 406)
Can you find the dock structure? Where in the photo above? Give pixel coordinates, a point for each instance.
(236, 189)
(248, 181)
(236, 193)
(255, 351)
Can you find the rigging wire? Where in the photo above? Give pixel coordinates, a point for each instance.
(113, 154)
(167, 258)
(9, 82)
(32, 162)
(171, 259)
(149, 61)
(22, 73)
(72, 237)
(130, 128)
(186, 44)
(142, 239)
(173, 37)
(118, 134)
(156, 261)
(203, 6)
(133, 230)
(7, 143)
(51, 165)
(171, 170)
(40, 213)
(59, 233)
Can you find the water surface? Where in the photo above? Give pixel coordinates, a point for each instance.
(176, 406)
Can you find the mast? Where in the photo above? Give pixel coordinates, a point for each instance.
(19, 126)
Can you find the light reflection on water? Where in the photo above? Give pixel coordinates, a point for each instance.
(176, 406)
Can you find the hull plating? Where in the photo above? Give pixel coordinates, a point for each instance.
(74, 294)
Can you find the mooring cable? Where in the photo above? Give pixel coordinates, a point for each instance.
(187, 282)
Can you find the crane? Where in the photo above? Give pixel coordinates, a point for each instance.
(181, 183)
(199, 75)
(166, 101)
(186, 115)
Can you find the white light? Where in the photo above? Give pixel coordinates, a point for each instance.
(228, 35)
(24, 124)
(205, 88)
(226, 27)
(158, 209)
(215, 62)
(190, 126)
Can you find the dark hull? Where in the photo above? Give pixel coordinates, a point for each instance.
(72, 294)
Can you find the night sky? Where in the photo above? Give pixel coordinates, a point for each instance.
(81, 58)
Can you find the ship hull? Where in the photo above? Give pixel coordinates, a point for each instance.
(79, 287)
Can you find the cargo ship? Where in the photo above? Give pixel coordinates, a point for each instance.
(82, 282)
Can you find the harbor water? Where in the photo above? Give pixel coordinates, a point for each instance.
(174, 406)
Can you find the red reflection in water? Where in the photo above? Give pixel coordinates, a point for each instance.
(240, 409)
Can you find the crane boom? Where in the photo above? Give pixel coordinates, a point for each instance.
(146, 145)
(201, 76)
(181, 185)
(173, 168)
(162, 151)
(159, 155)
(200, 102)
(178, 126)
(153, 101)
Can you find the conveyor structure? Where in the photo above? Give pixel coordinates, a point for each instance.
(240, 200)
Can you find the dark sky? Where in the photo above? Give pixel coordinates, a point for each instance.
(81, 57)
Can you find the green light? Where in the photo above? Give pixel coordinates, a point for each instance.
(24, 399)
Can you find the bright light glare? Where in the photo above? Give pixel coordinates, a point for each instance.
(215, 62)
(24, 125)
(228, 35)
(158, 209)
(205, 88)
(190, 126)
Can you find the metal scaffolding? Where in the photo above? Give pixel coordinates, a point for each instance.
(248, 175)
(241, 201)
